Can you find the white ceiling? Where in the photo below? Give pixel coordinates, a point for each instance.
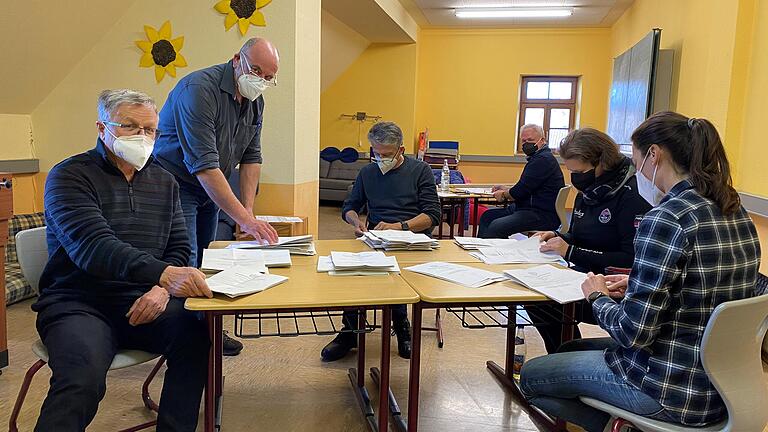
(586, 13)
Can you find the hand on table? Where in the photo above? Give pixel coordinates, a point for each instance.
(616, 285)
(261, 231)
(148, 307)
(500, 195)
(544, 235)
(555, 244)
(497, 187)
(360, 228)
(594, 283)
(185, 282)
(388, 226)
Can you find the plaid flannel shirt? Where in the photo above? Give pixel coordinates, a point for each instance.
(689, 258)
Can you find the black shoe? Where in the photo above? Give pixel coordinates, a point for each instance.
(229, 346)
(339, 346)
(402, 330)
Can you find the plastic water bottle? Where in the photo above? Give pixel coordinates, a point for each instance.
(445, 177)
(517, 365)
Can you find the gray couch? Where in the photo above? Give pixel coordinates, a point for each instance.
(337, 177)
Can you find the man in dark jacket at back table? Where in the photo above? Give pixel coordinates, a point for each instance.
(532, 198)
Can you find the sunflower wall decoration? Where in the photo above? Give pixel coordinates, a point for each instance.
(161, 51)
(242, 12)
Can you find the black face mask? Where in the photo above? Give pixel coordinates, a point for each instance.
(582, 181)
(529, 148)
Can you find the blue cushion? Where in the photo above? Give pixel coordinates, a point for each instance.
(349, 155)
(330, 154)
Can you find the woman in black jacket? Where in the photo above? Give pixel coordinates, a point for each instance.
(605, 216)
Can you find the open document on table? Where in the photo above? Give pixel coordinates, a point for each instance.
(357, 264)
(519, 252)
(239, 281)
(392, 240)
(296, 245)
(561, 285)
(222, 259)
(460, 274)
(474, 243)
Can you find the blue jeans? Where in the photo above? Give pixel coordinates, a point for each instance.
(503, 222)
(201, 215)
(554, 382)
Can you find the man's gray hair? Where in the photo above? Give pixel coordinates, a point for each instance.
(110, 100)
(386, 133)
(533, 126)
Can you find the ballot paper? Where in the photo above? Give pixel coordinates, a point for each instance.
(394, 240)
(473, 243)
(296, 245)
(222, 259)
(519, 252)
(474, 190)
(325, 265)
(279, 219)
(362, 260)
(561, 285)
(239, 281)
(463, 275)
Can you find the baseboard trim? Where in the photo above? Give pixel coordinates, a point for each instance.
(20, 166)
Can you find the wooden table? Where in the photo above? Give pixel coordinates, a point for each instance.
(306, 291)
(6, 212)
(436, 293)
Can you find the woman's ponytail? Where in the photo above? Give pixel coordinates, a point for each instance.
(709, 170)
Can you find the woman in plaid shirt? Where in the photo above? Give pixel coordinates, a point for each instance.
(695, 249)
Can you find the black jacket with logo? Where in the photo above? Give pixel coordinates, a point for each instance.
(603, 224)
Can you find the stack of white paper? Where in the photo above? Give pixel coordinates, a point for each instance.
(239, 281)
(518, 252)
(393, 240)
(561, 285)
(456, 273)
(296, 245)
(474, 243)
(283, 219)
(357, 264)
(222, 259)
(475, 190)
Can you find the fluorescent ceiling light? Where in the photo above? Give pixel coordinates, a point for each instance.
(513, 13)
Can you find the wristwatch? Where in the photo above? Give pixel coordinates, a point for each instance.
(594, 296)
(404, 226)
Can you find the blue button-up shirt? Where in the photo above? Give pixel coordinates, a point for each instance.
(689, 258)
(203, 126)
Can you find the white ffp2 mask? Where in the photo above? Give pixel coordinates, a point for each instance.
(134, 149)
(647, 188)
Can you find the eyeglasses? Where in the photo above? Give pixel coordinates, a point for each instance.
(256, 71)
(133, 129)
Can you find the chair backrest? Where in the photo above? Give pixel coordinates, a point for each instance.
(731, 355)
(562, 197)
(32, 250)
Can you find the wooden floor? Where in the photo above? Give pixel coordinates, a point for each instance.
(280, 384)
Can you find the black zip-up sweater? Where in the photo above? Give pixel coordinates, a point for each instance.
(109, 240)
(539, 185)
(602, 230)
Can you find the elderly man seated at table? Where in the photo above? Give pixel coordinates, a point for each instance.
(532, 199)
(116, 277)
(400, 194)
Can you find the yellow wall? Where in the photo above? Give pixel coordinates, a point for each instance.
(469, 80)
(340, 47)
(752, 177)
(382, 81)
(15, 136)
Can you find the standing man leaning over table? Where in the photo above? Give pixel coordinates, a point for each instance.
(532, 198)
(210, 123)
(400, 194)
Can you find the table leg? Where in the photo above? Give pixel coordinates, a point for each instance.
(461, 219)
(218, 375)
(567, 331)
(386, 336)
(505, 377)
(452, 219)
(357, 378)
(440, 225)
(476, 224)
(415, 369)
(210, 390)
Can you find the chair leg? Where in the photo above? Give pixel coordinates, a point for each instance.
(439, 327)
(23, 394)
(145, 396)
